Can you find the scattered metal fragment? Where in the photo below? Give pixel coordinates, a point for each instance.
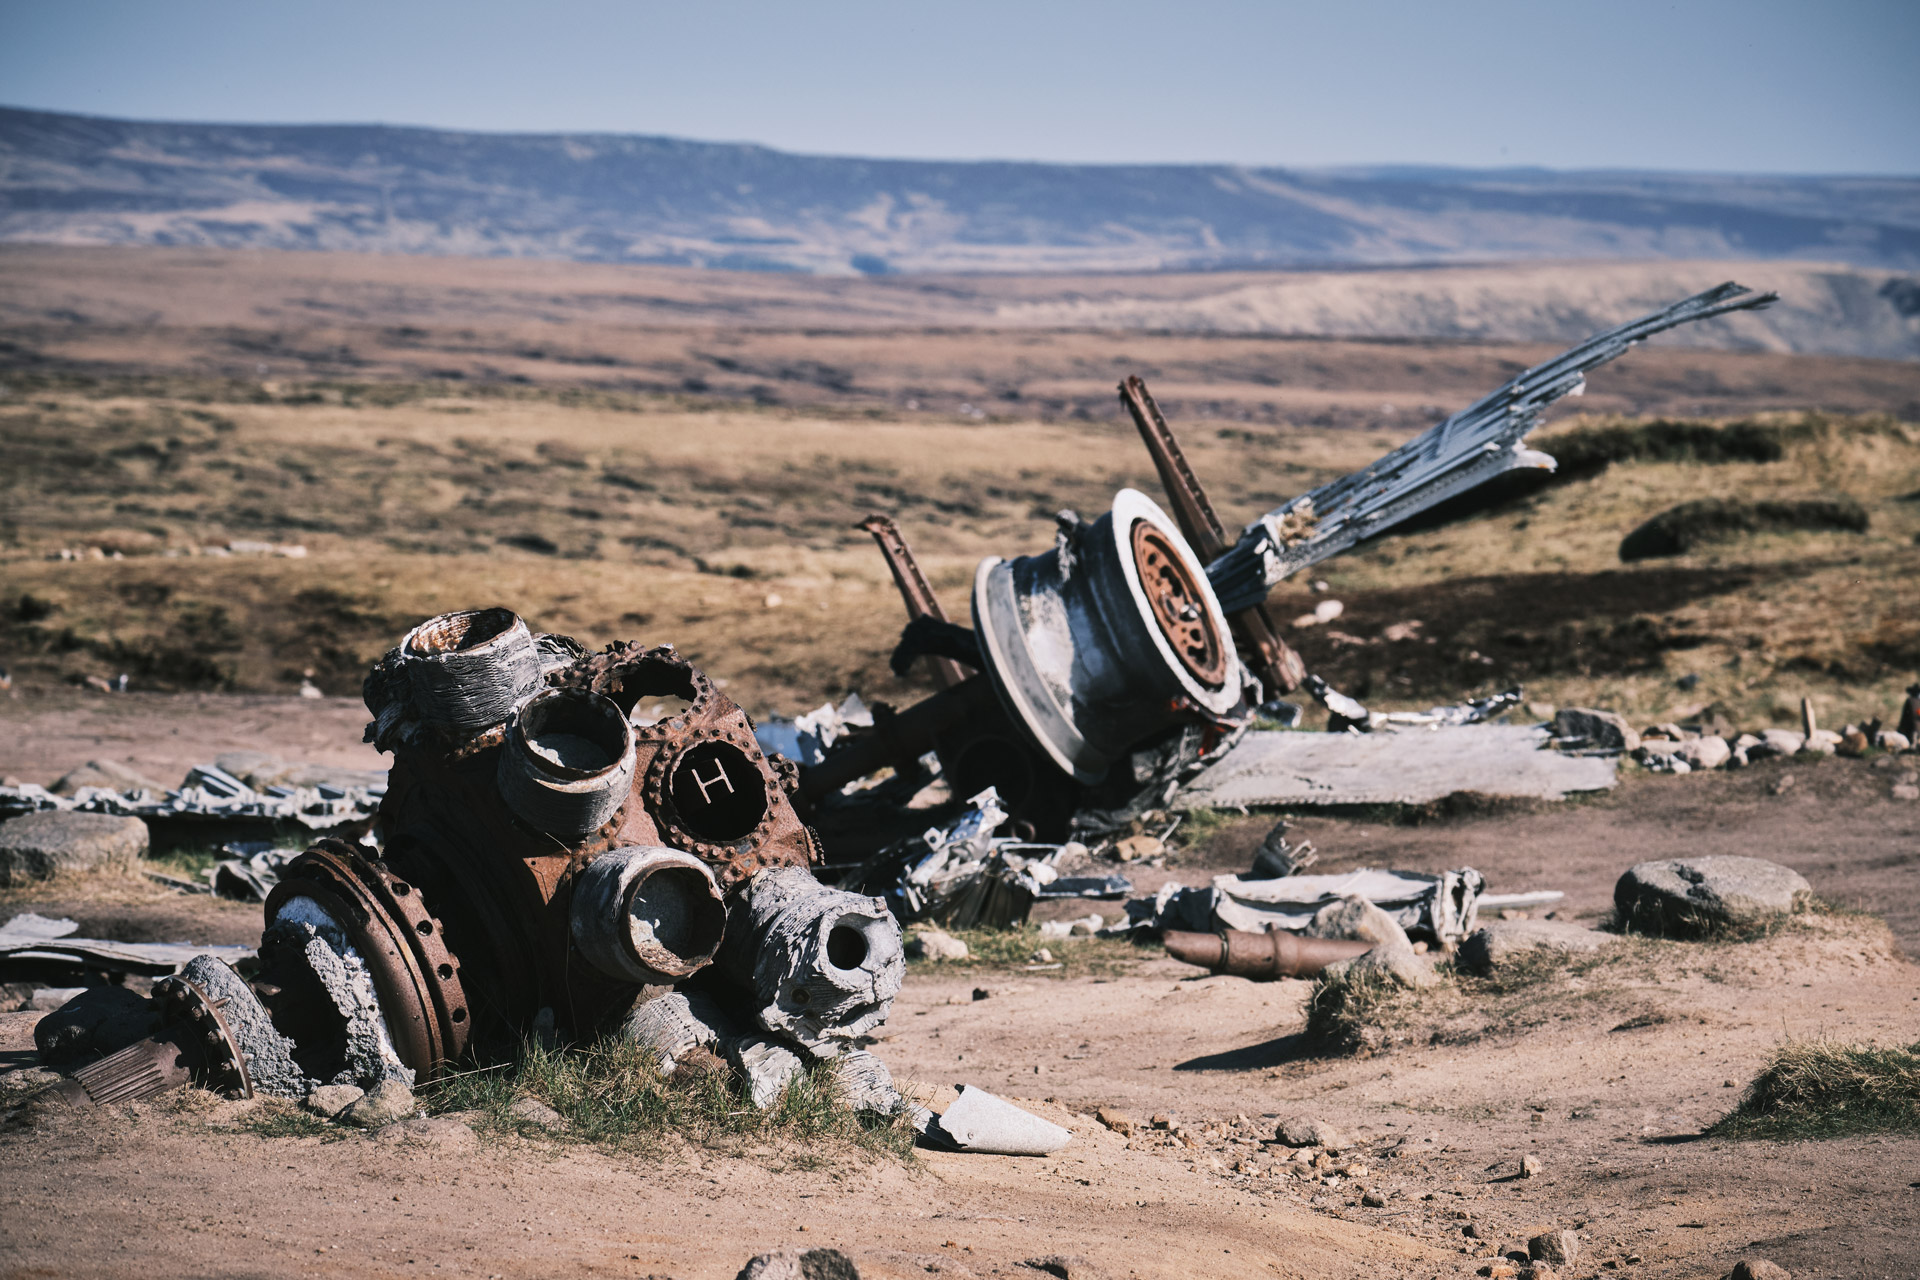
(30, 942)
(1470, 448)
(980, 1122)
(1441, 908)
(1409, 767)
(1271, 953)
(196, 1044)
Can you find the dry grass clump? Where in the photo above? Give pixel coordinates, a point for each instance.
(611, 1093)
(1703, 521)
(1824, 1089)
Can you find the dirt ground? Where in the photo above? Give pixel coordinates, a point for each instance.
(1609, 1080)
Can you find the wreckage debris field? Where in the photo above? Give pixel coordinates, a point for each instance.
(215, 521)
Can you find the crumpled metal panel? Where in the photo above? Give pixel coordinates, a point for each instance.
(1411, 766)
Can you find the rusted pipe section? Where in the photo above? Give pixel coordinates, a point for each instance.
(1277, 954)
(915, 590)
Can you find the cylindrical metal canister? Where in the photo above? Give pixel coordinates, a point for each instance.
(647, 915)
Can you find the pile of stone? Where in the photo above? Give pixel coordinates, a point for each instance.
(1711, 743)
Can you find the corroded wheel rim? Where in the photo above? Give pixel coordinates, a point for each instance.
(1179, 606)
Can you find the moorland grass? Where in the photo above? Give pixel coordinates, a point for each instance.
(1816, 1089)
(612, 1094)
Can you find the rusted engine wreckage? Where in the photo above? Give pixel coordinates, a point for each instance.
(593, 843)
(598, 844)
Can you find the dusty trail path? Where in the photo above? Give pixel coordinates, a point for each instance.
(1607, 1076)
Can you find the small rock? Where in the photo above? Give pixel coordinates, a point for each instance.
(981, 993)
(98, 1021)
(390, 1101)
(1472, 1231)
(1683, 896)
(1709, 751)
(1853, 742)
(105, 773)
(1498, 943)
(1118, 1121)
(1781, 785)
(1891, 742)
(1138, 848)
(1064, 1266)
(1560, 1247)
(442, 1133)
(1163, 1120)
(35, 846)
(330, 1100)
(1305, 1131)
(1356, 919)
(1373, 1200)
(1905, 791)
(1530, 1166)
(791, 1264)
(535, 1112)
(935, 944)
(1756, 1269)
(21, 1081)
(1593, 730)
(1779, 742)
(1043, 956)
(1821, 742)
(1668, 732)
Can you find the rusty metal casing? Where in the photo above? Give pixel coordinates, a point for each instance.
(1275, 954)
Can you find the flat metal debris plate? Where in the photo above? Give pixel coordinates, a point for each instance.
(1410, 766)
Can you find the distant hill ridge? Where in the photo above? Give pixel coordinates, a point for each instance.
(67, 179)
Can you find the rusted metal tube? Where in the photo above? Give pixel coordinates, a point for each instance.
(1277, 954)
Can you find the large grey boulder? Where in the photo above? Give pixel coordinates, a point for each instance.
(1592, 730)
(1392, 959)
(108, 774)
(1500, 942)
(1692, 896)
(35, 846)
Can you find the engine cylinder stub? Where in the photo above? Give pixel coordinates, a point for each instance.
(647, 915)
(568, 762)
(824, 965)
(468, 670)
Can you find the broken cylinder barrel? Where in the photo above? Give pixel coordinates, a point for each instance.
(1276, 954)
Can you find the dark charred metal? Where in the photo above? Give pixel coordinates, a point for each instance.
(194, 1046)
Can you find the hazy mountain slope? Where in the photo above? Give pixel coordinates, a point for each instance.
(79, 180)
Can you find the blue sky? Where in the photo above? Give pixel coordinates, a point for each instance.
(1758, 86)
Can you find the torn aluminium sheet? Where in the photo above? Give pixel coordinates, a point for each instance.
(211, 794)
(1440, 908)
(1410, 766)
(30, 937)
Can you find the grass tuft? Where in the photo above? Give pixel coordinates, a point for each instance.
(611, 1094)
(1822, 1089)
(278, 1118)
